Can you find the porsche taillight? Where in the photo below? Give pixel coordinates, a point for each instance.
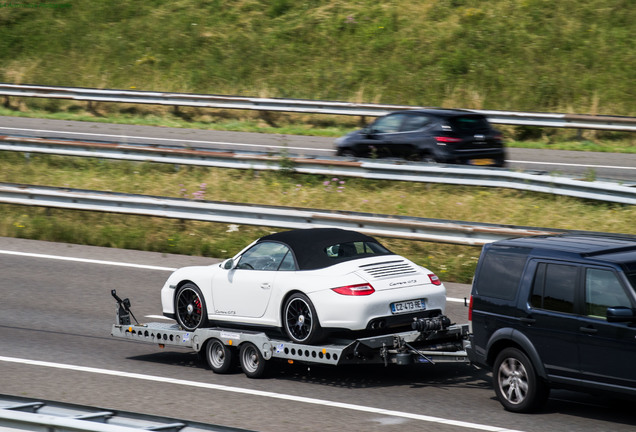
(434, 279)
(355, 290)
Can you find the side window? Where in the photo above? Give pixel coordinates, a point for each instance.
(554, 287)
(388, 124)
(603, 290)
(414, 122)
(500, 272)
(263, 256)
(288, 263)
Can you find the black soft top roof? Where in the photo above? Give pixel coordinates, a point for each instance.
(308, 245)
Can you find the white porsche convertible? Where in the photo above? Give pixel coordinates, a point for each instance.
(306, 283)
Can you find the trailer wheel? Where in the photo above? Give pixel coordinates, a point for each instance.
(252, 361)
(517, 385)
(220, 357)
(189, 305)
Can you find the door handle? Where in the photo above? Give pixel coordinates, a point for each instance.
(588, 330)
(265, 285)
(527, 320)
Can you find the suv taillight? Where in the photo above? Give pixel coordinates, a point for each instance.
(355, 290)
(470, 310)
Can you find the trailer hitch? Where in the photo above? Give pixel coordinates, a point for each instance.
(123, 311)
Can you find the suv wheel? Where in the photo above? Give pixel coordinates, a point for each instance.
(516, 383)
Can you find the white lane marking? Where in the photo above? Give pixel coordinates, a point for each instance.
(260, 393)
(90, 261)
(573, 165)
(172, 139)
(158, 317)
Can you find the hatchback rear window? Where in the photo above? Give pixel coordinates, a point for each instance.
(469, 124)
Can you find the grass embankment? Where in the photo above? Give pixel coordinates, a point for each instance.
(531, 55)
(452, 263)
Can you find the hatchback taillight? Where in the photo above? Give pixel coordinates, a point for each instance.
(444, 139)
(355, 290)
(434, 279)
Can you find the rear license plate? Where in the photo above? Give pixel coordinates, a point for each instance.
(481, 162)
(408, 306)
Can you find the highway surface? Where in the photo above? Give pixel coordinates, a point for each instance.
(583, 164)
(55, 318)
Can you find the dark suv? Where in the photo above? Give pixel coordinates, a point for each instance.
(439, 135)
(555, 311)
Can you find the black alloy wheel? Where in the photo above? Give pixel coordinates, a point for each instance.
(191, 312)
(300, 320)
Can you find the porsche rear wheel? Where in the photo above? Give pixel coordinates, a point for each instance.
(300, 320)
(190, 309)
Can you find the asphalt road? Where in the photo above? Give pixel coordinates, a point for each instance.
(579, 164)
(55, 318)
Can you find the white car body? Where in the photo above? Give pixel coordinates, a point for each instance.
(256, 297)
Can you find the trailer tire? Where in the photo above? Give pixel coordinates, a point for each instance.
(219, 356)
(252, 361)
(189, 305)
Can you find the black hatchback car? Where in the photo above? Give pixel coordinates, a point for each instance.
(555, 312)
(437, 135)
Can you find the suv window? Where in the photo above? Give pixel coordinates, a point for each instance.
(554, 287)
(603, 290)
(500, 271)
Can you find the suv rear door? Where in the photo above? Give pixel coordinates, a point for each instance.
(551, 323)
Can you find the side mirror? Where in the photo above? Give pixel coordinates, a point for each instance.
(620, 314)
(228, 264)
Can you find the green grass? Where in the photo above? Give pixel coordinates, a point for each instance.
(521, 55)
(451, 262)
(518, 55)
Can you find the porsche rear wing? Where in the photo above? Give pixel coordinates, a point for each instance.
(433, 340)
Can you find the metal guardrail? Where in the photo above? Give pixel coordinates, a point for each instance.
(410, 228)
(577, 121)
(22, 414)
(624, 193)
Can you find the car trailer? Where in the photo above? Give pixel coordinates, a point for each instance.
(432, 340)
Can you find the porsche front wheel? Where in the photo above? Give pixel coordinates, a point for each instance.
(300, 320)
(190, 309)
